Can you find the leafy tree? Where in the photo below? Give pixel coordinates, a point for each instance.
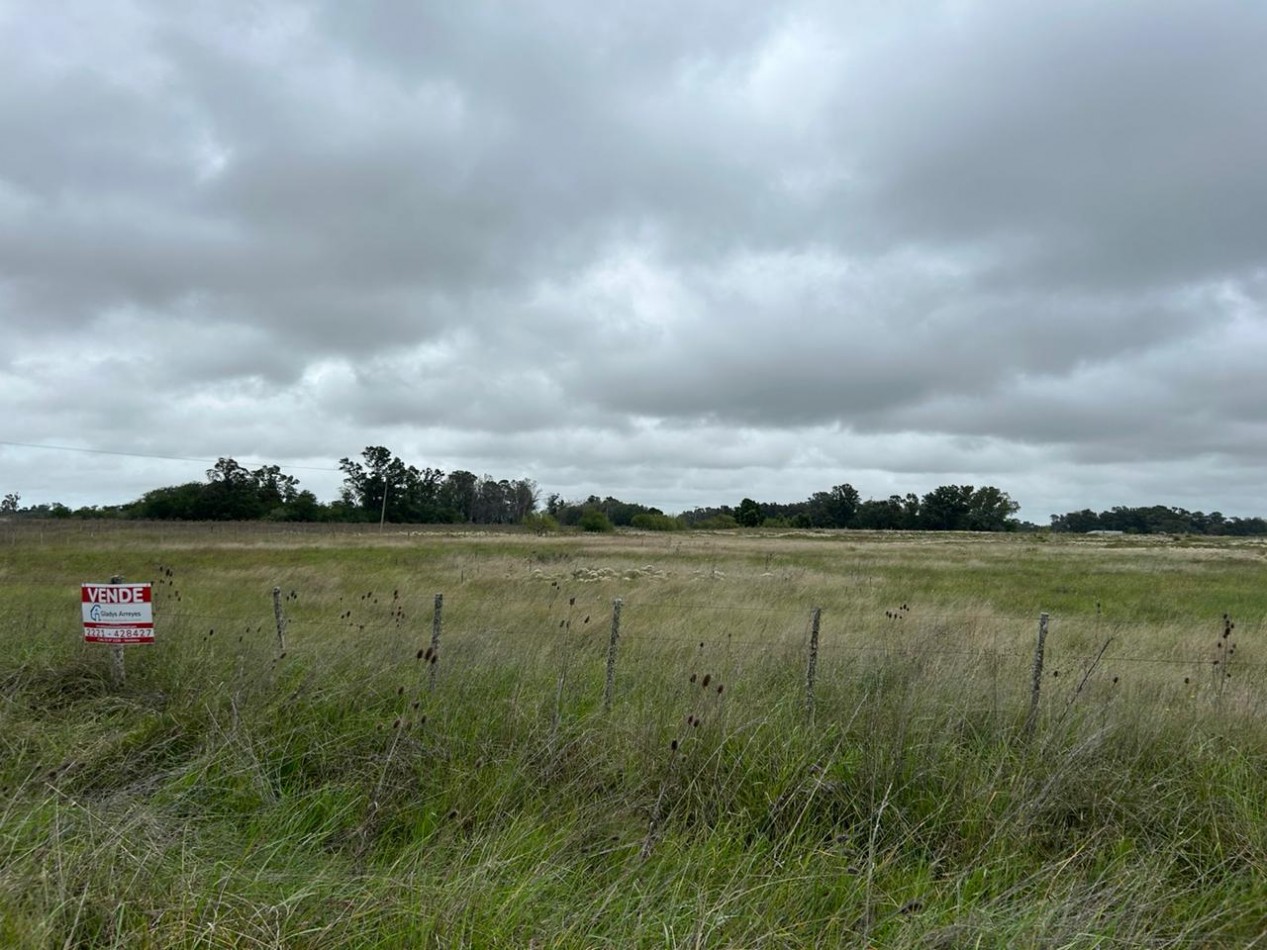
(458, 494)
(1076, 521)
(384, 487)
(619, 513)
(990, 510)
(232, 494)
(946, 508)
(274, 487)
(522, 498)
(173, 503)
(9, 505)
(749, 514)
(834, 509)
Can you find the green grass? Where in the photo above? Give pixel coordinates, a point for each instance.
(226, 796)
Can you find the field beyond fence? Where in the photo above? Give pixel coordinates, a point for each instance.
(361, 737)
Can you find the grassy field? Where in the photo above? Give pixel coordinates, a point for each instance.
(353, 793)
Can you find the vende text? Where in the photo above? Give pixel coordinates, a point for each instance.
(116, 594)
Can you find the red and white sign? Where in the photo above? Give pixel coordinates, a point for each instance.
(118, 613)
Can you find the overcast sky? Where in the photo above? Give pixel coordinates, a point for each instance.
(678, 253)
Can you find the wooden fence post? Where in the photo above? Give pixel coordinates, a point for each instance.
(611, 654)
(281, 620)
(1036, 677)
(436, 620)
(812, 667)
(116, 651)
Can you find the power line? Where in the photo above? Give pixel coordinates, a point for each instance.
(140, 455)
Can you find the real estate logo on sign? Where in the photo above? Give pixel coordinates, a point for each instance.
(117, 613)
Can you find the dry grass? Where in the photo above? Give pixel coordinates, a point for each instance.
(331, 798)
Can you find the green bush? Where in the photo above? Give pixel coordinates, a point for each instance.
(541, 523)
(649, 522)
(594, 520)
(722, 522)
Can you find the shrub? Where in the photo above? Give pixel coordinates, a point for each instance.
(717, 522)
(594, 520)
(650, 522)
(541, 523)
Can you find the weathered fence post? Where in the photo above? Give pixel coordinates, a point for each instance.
(812, 668)
(611, 654)
(116, 651)
(436, 620)
(1036, 677)
(281, 620)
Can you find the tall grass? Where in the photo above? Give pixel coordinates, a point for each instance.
(225, 796)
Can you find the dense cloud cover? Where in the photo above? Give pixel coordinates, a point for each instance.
(676, 253)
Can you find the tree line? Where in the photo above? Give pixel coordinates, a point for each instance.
(1157, 519)
(377, 487)
(380, 487)
(946, 508)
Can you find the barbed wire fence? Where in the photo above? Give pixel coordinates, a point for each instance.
(647, 635)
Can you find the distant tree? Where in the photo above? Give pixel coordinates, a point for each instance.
(232, 494)
(594, 520)
(458, 494)
(273, 487)
(619, 513)
(646, 521)
(946, 508)
(724, 521)
(541, 523)
(493, 501)
(173, 503)
(523, 499)
(888, 514)
(381, 486)
(723, 516)
(749, 514)
(303, 507)
(834, 509)
(1076, 521)
(990, 509)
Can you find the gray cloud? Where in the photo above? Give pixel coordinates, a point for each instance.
(669, 253)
